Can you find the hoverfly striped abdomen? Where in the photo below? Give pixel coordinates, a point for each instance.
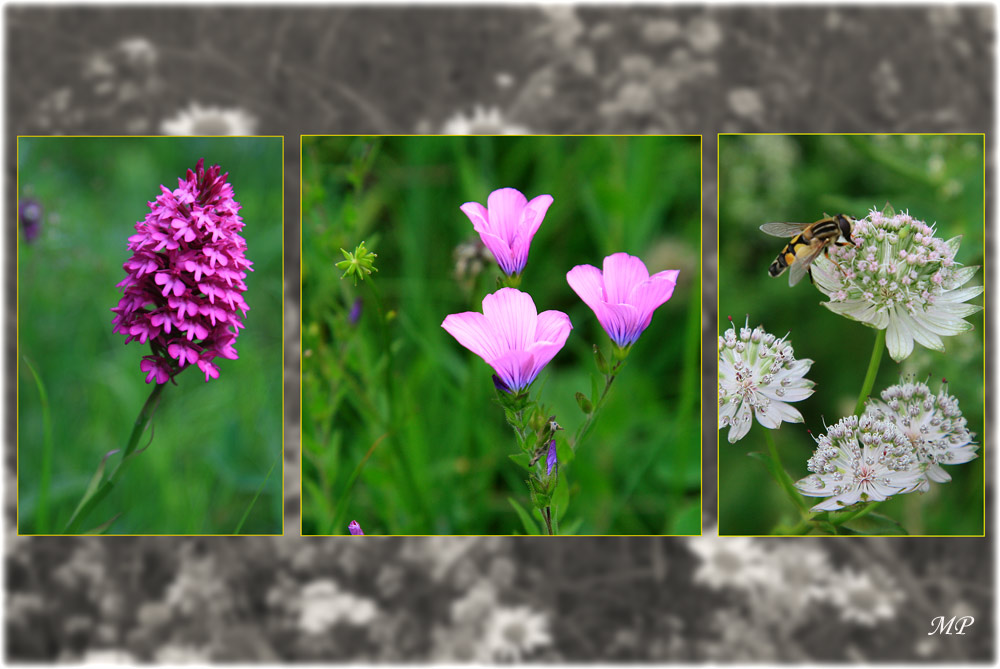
(808, 241)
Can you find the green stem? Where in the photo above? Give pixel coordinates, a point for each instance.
(857, 513)
(806, 524)
(873, 364)
(98, 489)
(782, 477)
(547, 515)
(584, 430)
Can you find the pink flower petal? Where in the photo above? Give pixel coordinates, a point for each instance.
(505, 206)
(650, 294)
(587, 282)
(473, 331)
(622, 273)
(513, 318)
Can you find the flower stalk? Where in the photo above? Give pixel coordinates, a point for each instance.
(873, 365)
(99, 486)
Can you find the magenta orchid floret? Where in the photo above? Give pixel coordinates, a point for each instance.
(511, 336)
(355, 528)
(507, 224)
(184, 290)
(623, 296)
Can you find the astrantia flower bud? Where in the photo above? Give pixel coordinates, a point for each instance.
(899, 278)
(861, 460)
(184, 290)
(758, 376)
(933, 424)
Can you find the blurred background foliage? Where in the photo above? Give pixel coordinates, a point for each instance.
(939, 179)
(216, 444)
(400, 428)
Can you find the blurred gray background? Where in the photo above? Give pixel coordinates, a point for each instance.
(353, 70)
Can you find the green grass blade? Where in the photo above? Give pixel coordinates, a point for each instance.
(239, 525)
(44, 485)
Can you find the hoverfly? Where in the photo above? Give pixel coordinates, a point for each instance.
(808, 241)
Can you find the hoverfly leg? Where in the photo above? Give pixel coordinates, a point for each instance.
(826, 252)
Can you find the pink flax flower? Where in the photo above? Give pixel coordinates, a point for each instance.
(507, 225)
(511, 336)
(624, 296)
(183, 293)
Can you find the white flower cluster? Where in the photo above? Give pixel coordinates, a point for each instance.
(784, 583)
(899, 278)
(895, 447)
(932, 423)
(758, 376)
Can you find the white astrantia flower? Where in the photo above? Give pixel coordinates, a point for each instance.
(199, 120)
(899, 278)
(482, 121)
(933, 424)
(866, 598)
(758, 376)
(731, 562)
(514, 632)
(861, 460)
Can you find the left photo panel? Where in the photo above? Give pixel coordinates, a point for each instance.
(149, 335)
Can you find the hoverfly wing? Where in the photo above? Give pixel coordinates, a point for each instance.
(800, 267)
(779, 229)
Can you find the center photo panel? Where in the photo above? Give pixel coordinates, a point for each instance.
(501, 335)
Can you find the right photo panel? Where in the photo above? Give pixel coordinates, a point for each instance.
(851, 354)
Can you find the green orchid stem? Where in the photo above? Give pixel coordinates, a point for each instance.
(98, 490)
(873, 364)
(782, 477)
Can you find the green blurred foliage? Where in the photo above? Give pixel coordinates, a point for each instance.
(215, 443)
(412, 413)
(938, 179)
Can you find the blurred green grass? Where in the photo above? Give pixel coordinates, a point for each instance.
(938, 179)
(214, 443)
(435, 440)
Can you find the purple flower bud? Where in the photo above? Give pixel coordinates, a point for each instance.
(355, 314)
(355, 528)
(183, 292)
(551, 460)
(29, 214)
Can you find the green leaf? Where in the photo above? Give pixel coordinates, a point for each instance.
(685, 521)
(572, 528)
(522, 460)
(529, 525)
(875, 524)
(564, 453)
(602, 363)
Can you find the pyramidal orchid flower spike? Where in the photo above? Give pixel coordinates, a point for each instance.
(623, 296)
(511, 336)
(183, 293)
(507, 225)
